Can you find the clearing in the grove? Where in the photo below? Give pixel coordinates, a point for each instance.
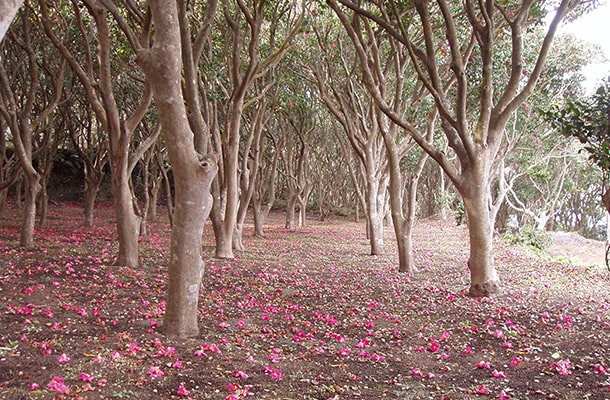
(303, 314)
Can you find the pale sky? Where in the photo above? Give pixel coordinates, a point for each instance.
(595, 28)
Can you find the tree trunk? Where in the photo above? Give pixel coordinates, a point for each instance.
(186, 265)
(32, 187)
(290, 211)
(375, 198)
(128, 223)
(224, 218)
(193, 174)
(92, 185)
(257, 216)
(476, 193)
(43, 204)
(3, 196)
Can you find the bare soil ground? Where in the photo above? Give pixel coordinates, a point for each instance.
(574, 247)
(304, 314)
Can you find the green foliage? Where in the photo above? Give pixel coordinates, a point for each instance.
(460, 213)
(529, 236)
(588, 120)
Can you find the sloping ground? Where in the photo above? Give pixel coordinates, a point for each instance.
(574, 247)
(303, 314)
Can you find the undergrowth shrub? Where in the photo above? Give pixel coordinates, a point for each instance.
(530, 236)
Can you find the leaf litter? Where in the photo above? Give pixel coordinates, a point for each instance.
(304, 314)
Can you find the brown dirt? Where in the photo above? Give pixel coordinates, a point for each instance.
(304, 314)
(572, 246)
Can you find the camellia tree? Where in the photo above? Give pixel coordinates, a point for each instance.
(588, 120)
(453, 51)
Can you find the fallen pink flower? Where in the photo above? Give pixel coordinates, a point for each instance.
(482, 390)
(434, 347)
(344, 352)
(562, 367)
(155, 372)
(85, 377)
(134, 347)
(57, 384)
(515, 361)
(498, 374)
(503, 396)
(182, 391)
(600, 369)
(63, 358)
(274, 373)
(240, 374)
(484, 365)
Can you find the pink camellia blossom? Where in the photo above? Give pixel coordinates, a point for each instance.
(482, 390)
(498, 374)
(63, 358)
(417, 372)
(85, 377)
(34, 386)
(600, 369)
(484, 365)
(515, 361)
(434, 347)
(57, 385)
(177, 364)
(363, 343)
(155, 372)
(503, 396)
(134, 347)
(182, 391)
(200, 353)
(467, 350)
(562, 367)
(274, 373)
(344, 352)
(233, 387)
(240, 374)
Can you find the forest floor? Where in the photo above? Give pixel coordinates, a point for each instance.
(304, 314)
